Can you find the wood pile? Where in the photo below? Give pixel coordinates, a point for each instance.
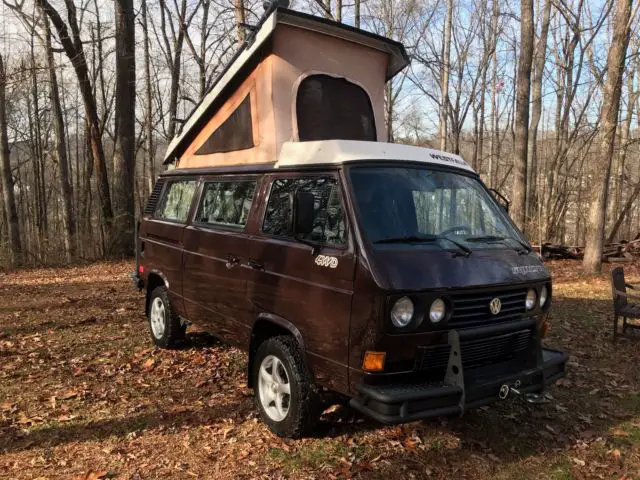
(623, 251)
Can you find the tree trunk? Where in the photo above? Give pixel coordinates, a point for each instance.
(13, 225)
(148, 117)
(356, 14)
(125, 160)
(536, 113)
(444, 76)
(521, 119)
(238, 6)
(327, 9)
(592, 262)
(60, 145)
(175, 63)
(493, 143)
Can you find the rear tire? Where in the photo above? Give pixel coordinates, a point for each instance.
(284, 390)
(164, 325)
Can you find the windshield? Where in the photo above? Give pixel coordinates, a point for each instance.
(429, 208)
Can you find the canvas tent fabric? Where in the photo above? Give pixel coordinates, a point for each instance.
(271, 101)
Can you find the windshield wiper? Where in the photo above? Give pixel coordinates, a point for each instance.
(495, 238)
(424, 239)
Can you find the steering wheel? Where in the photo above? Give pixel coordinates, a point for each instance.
(463, 229)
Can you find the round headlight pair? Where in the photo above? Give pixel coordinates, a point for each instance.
(530, 301)
(403, 311)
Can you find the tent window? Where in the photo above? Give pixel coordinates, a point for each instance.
(236, 133)
(331, 108)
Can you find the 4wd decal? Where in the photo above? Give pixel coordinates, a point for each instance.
(528, 269)
(326, 261)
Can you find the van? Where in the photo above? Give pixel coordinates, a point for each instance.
(387, 274)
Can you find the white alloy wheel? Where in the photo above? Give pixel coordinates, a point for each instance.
(274, 388)
(158, 318)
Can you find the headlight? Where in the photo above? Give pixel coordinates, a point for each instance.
(544, 295)
(437, 310)
(530, 301)
(402, 312)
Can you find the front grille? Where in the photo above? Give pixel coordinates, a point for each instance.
(154, 197)
(476, 352)
(473, 308)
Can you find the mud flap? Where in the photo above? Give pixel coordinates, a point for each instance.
(455, 373)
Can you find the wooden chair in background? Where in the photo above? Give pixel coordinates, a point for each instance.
(622, 307)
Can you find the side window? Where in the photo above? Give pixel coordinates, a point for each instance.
(329, 223)
(176, 201)
(236, 133)
(226, 203)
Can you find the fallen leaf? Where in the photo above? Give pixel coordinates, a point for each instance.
(68, 395)
(577, 461)
(93, 475)
(148, 364)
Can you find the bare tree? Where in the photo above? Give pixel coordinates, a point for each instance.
(521, 120)
(539, 60)
(60, 145)
(608, 124)
(444, 79)
(73, 48)
(13, 224)
(124, 160)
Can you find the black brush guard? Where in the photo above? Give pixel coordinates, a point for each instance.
(399, 403)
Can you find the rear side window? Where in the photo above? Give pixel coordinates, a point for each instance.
(226, 203)
(176, 201)
(152, 203)
(329, 223)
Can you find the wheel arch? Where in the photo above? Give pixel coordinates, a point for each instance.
(266, 326)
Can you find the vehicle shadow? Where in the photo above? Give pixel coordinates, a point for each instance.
(51, 435)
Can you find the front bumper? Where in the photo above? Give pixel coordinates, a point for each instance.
(400, 403)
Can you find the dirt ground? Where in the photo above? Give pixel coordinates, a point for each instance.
(83, 394)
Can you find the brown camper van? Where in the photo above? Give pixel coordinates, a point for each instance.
(385, 273)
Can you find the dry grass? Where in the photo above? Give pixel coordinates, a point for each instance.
(84, 394)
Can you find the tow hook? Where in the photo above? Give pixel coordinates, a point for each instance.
(507, 389)
(534, 398)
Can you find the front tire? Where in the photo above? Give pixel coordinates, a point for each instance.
(284, 391)
(164, 325)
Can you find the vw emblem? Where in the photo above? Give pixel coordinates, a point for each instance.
(495, 305)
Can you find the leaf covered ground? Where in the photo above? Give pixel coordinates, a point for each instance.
(83, 394)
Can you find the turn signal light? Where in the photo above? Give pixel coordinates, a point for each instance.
(544, 328)
(373, 361)
(141, 269)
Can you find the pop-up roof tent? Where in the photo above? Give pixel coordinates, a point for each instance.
(298, 78)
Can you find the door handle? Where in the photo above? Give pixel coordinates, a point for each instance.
(232, 261)
(255, 264)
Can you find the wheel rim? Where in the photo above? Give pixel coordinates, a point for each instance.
(274, 388)
(157, 318)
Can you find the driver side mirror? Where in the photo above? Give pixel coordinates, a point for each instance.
(303, 213)
(501, 199)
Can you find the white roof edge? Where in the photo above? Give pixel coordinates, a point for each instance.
(341, 151)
